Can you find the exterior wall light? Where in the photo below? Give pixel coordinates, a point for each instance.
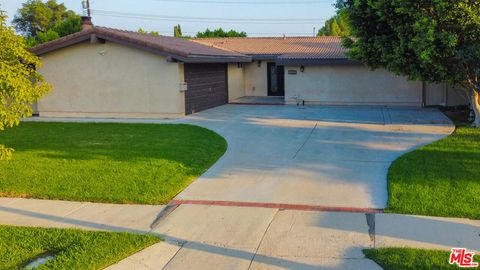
(302, 68)
(259, 63)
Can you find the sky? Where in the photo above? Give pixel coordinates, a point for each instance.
(256, 17)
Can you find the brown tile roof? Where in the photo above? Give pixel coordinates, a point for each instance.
(289, 47)
(178, 48)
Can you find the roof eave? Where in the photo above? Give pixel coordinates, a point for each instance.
(264, 57)
(215, 59)
(315, 61)
(128, 43)
(46, 48)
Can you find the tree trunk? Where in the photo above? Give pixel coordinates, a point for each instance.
(476, 106)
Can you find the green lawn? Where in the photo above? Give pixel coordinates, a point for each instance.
(72, 249)
(411, 259)
(441, 179)
(105, 162)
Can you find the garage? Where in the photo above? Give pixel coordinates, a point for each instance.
(207, 86)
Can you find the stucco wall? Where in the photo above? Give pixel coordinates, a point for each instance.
(457, 96)
(444, 95)
(256, 80)
(110, 80)
(350, 85)
(435, 94)
(236, 82)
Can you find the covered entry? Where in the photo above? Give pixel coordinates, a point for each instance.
(207, 86)
(276, 80)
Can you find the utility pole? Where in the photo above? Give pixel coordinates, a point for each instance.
(314, 34)
(86, 8)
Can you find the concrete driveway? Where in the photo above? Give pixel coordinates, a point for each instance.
(313, 155)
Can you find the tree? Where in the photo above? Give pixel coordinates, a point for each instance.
(218, 33)
(153, 33)
(335, 26)
(433, 41)
(47, 36)
(20, 84)
(71, 24)
(177, 31)
(37, 21)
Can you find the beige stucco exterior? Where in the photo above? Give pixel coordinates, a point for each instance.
(236, 81)
(117, 81)
(256, 82)
(444, 95)
(350, 85)
(111, 80)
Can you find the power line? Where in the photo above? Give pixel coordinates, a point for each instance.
(208, 19)
(249, 2)
(249, 33)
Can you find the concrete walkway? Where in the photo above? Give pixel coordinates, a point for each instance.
(219, 237)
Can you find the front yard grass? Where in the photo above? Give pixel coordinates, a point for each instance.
(411, 259)
(106, 162)
(71, 249)
(440, 179)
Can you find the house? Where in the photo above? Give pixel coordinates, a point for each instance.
(104, 72)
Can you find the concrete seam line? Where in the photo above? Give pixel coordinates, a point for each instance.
(13, 201)
(76, 209)
(383, 115)
(263, 237)
(306, 140)
(174, 255)
(282, 206)
(389, 117)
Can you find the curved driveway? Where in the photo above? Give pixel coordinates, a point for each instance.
(313, 155)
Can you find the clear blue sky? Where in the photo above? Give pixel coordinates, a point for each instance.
(316, 11)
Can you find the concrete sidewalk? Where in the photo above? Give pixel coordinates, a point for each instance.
(220, 237)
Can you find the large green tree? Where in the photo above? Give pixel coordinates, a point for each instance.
(335, 26)
(220, 33)
(437, 41)
(20, 84)
(42, 21)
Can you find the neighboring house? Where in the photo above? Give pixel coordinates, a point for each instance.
(104, 72)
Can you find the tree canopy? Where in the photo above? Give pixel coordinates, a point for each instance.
(433, 41)
(20, 84)
(42, 21)
(335, 26)
(218, 33)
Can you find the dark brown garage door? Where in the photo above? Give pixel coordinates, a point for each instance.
(207, 86)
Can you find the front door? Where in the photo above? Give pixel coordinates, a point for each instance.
(276, 80)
